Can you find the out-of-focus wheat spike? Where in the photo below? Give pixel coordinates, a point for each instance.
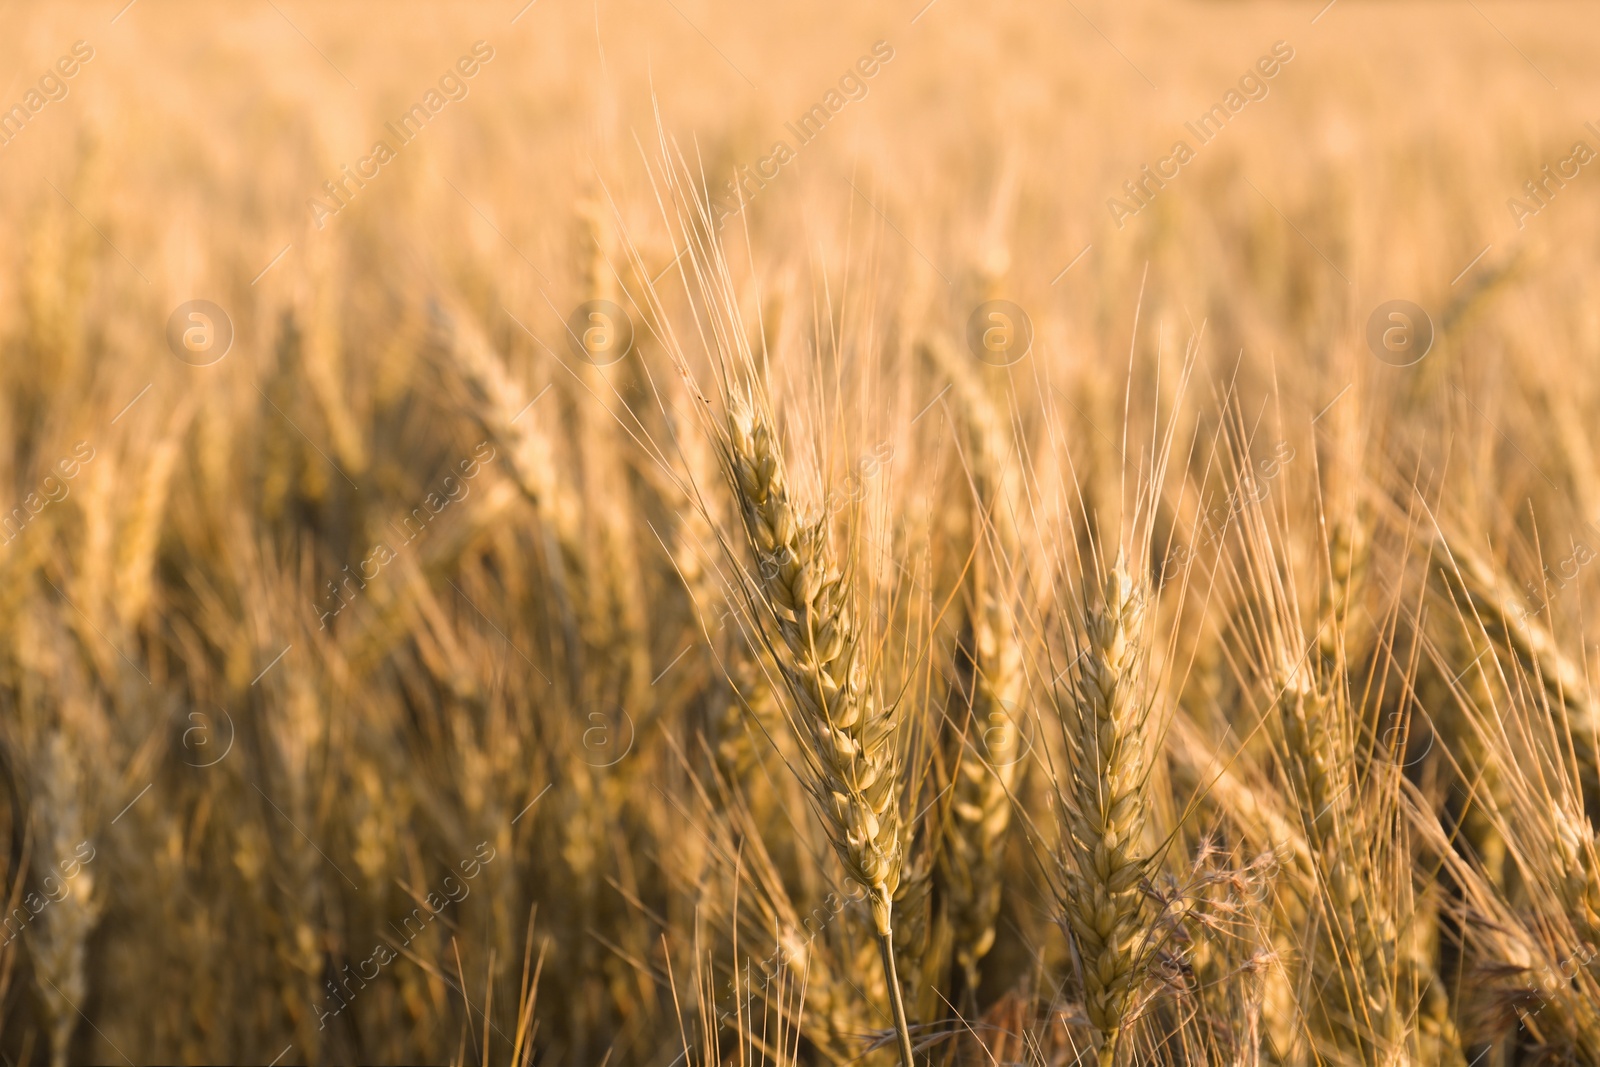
(1195, 768)
(1454, 680)
(986, 741)
(140, 537)
(605, 411)
(96, 498)
(58, 938)
(985, 775)
(1524, 967)
(1507, 621)
(994, 245)
(323, 363)
(1198, 772)
(746, 684)
(599, 241)
(509, 418)
(1493, 613)
(1349, 549)
(1541, 812)
(1320, 762)
(832, 969)
(749, 694)
(1343, 514)
(993, 468)
(500, 406)
(616, 568)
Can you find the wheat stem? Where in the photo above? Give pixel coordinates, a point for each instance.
(896, 999)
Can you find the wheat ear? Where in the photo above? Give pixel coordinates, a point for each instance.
(59, 941)
(847, 737)
(1103, 806)
(1364, 934)
(989, 672)
(1507, 620)
(983, 779)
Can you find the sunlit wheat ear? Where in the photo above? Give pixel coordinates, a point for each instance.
(1381, 995)
(1305, 711)
(1105, 717)
(846, 736)
(1534, 950)
(1496, 614)
(1524, 962)
(1577, 848)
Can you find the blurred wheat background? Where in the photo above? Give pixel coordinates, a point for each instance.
(400, 663)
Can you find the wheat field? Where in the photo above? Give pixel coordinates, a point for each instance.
(674, 532)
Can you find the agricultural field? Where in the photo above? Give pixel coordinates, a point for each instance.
(670, 532)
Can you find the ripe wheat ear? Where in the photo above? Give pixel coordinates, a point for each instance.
(1102, 801)
(847, 737)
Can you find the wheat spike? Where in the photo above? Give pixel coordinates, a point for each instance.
(142, 532)
(1505, 620)
(987, 737)
(58, 941)
(985, 773)
(845, 734)
(612, 575)
(1382, 977)
(1103, 806)
(501, 408)
(1318, 763)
